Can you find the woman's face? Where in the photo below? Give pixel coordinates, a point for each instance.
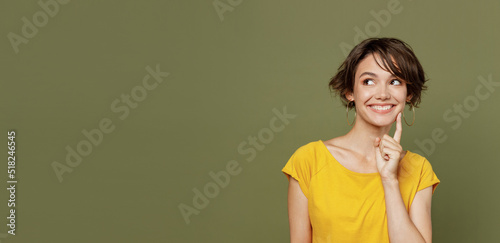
(378, 95)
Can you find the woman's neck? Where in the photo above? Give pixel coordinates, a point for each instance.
(361, 138)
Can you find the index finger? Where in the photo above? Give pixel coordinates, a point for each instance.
(399, 129)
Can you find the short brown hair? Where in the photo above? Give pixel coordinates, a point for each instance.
(406, 67)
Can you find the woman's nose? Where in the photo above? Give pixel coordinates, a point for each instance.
(383, 92)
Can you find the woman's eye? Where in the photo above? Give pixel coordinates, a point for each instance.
(398, 82)
(367, 80)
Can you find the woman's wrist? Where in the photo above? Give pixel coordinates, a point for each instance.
(391, 180)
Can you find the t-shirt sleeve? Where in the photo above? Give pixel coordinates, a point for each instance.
(427, 177)
(299, 168)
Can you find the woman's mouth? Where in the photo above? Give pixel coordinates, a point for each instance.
(381, 109)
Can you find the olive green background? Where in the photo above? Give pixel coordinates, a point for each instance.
(226, 77)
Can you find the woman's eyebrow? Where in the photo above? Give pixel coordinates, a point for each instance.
(368, 73)
(373, 74)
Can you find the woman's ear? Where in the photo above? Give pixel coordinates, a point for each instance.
(408, 98)
(349, 96)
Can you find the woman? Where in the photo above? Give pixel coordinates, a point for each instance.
(362, 186)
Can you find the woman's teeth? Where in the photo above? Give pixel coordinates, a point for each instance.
(381, 108)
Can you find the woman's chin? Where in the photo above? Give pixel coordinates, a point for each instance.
(383, 122)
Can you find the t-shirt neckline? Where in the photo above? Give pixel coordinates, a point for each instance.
(344, 168)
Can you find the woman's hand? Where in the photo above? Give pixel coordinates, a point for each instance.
(388, 153)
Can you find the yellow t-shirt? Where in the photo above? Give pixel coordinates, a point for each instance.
(347, 206)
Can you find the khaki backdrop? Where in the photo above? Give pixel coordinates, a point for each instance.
(128, 113)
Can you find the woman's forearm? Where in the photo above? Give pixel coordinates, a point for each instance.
(400, 226)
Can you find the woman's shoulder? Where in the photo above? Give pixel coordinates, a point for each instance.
(413, 156)
(309, 147)
(338, 146)
(310, 157)
(413, 161)
(311, 151)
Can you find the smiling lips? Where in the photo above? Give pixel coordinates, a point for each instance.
(382, 108)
